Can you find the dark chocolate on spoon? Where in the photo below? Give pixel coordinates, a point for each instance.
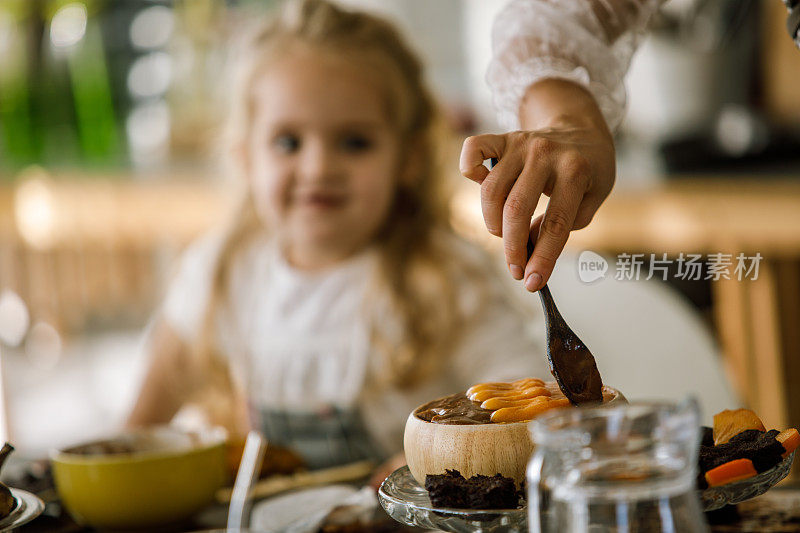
(574, 369)
(571, 362)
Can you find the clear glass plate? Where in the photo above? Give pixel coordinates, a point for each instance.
(408, 503)
(715, 497)
(28, 507)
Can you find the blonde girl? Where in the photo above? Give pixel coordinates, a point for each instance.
(339, 298)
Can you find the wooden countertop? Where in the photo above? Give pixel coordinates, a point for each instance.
(777, 511)
(704, 215)
(48, 212)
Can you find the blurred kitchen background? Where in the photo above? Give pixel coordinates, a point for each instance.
(109, 165)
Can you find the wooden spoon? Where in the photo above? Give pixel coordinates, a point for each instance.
(571, 362)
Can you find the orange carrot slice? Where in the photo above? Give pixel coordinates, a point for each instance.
(731, 471)
(790, 438)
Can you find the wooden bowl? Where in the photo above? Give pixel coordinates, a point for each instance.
(487, 449)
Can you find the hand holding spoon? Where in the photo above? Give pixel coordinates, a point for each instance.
(571, 362)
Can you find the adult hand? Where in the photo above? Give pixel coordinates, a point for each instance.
(565, 152)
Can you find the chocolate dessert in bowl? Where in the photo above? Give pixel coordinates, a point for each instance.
(481, 432)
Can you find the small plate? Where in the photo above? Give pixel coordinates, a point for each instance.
(408, 503)
(732, 493)
(29, 506)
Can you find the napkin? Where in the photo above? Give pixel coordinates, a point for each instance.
(305, 511)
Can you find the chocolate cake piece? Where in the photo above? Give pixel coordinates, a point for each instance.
(451, 489)
(706, 436)
(761, 447)
(448, 489)
(700, 480)
(495, 492)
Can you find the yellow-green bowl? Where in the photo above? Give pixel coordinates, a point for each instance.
(154, 476)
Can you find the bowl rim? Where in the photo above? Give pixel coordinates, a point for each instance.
(413, 415)
(496, 426)
(213, 437)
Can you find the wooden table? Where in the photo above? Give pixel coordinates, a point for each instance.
(777, 511)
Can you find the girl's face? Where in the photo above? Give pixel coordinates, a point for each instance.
(323, 157)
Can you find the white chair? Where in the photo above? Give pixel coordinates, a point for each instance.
(648, 340)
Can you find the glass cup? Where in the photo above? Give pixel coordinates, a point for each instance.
(623, 469)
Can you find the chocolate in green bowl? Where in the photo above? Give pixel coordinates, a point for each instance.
(140, 478)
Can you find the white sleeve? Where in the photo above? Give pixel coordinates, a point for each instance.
(187, 296)
(590, 42)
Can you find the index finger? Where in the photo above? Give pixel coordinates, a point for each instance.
(554, 229)
(475, 151)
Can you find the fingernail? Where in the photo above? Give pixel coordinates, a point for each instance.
(533, 281)
(516, 271)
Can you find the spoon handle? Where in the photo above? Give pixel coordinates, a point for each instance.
(549, 306)
(553, 319)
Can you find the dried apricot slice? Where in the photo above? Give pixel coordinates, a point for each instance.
(729, 423)
(528, 412)
(533, 392)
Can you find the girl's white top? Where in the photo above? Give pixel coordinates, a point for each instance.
(300, 341)
(590, 42)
